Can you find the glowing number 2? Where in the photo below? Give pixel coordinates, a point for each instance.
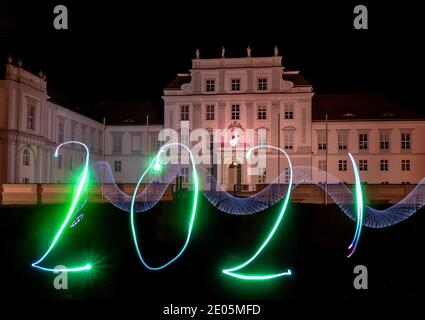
(232, 271)
(71, 212)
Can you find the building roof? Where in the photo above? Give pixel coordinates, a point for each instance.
(177, 82)
(358, 106)
(128, 112)
(295, 77)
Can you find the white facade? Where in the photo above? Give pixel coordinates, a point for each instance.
(245, 93)
(31, 126)
(400, 162)
(236, 94)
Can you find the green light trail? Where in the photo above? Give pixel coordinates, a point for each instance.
(231, 271)
(70, 214)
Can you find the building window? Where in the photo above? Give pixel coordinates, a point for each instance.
(210, 140)
(83, 133)
(210, 85)
(262, 138)
(184, 112)
(287, 175)
(93, 139)
(31, 116)
(117, 165)
(184, 137)
(288, 139)
(405, 165)
(59, 161)
(342, 165)
(70, 163)
(236, 84)
(26, 157)
(262, 175)
(25, 180)
(61, 130)
(116, 143)
(155, 143)
(363, 165)
(262, 84)
(321, 141)
(262, 113)
(363, 141)
(73, 131)
(321, 164)
(384, 141)
(405, 141)
(384, 165)
(235, 112)
(342, 141)
(185, 174)
(289, 111)
(210, 112)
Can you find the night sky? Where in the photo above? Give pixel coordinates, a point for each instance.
(131, 49)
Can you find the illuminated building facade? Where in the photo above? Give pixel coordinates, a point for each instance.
(240, 95)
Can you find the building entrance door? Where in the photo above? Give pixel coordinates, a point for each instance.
(234, 176)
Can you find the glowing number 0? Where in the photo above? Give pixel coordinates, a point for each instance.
(157, 167)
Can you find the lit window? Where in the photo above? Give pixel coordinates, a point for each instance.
(322, 165)
(117, 165)
(289, 111)
(184, 112)
(73, 131)
(405, 141)
(288, 139)
(262, 84)
(262, 175)
(210, 112)
(342, 165)
(262, 138)
(116, 143)
(59, 161)
(342, 141)
(155, 144)
(321, 141)
(363, 165)
(31, 116)
(384, 165)
(185, 139)
(236, 84)
(287, 175)
(363, 141)
(61, 130)
(210, 85)
(262, 113)
(235, 112)
(210, 141)
(405, 165)
(26, 157)
(185, 174)
(384, 141)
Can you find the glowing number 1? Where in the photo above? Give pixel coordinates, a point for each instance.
(71, 212)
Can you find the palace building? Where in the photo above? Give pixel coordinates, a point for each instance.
(241, 95)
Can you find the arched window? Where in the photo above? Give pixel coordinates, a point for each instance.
(26, 157)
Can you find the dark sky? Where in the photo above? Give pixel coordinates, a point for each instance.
(131, 49)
